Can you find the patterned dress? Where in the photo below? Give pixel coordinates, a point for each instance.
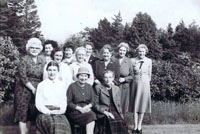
(140, 97)
(29, 71)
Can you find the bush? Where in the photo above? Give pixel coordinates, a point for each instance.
(9, 58)
(174, 82)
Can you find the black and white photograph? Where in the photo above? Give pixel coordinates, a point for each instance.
(99, 66)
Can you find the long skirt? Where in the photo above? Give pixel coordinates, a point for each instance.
(140, 97)
(52, 124)
(111, 126)
(125, 93)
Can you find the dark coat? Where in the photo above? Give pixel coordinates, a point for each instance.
(126, 71)
(99, 68)
(92, 60)
(102, 100)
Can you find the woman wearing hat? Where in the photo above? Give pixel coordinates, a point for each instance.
(80, 99)
(80, 62)
(126, 74)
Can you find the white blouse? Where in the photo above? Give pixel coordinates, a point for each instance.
(51, 92)
(76, 65)
(64, 75)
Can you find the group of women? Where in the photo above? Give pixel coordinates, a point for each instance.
(63, 88)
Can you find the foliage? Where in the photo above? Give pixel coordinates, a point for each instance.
(143, 31)
(174, 82)
(9, 58)
(101, 35)
(20, 21)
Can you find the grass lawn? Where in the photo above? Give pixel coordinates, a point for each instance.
(147, 129)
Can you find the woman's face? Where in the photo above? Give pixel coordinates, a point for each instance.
(48, 49)
(89, 49)
(34, 50)
(82, 78)
(122, 52)
(58, 56)
(68, 53)
(106, 54)
(141, 53)
(108, 78)
(80, 56)
(52, 72)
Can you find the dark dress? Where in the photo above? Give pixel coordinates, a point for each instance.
(99, 68)
(80, 96)
(126, 72)
(29, 71)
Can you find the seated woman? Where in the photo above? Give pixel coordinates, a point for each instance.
(80, 99)
(64, 74)
(51, 102)
(110, 119)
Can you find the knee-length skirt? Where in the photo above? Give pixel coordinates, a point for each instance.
(24, 103)
(81, 119)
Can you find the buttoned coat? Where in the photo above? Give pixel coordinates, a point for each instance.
(102, 100)
(99, 68)
(126, 72)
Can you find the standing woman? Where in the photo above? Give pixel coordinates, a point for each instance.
(51, 102)
(140, 99)
(30, 74)
(49, 45)
(126, 74)
(90, 58)
(68, 49)
(80, 99)
(104, 64)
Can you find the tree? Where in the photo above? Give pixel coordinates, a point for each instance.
(143, 31)
(101, 35)
(117, 29)
(20, 22)
(9, 59)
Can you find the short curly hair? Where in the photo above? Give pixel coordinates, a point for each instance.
(52, 42)
(56, 50)
(68, 44)
(142, 46)
(33, 42)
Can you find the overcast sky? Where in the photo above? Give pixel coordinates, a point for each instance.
(61, 18)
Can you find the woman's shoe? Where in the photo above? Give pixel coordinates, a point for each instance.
(139, 131)
(135, 131)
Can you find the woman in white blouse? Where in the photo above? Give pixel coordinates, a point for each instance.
(51, 102)
(80, 62)
(64, 74)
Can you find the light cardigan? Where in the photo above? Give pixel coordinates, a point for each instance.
(64, 74)
(51, 92)
(76, 65)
